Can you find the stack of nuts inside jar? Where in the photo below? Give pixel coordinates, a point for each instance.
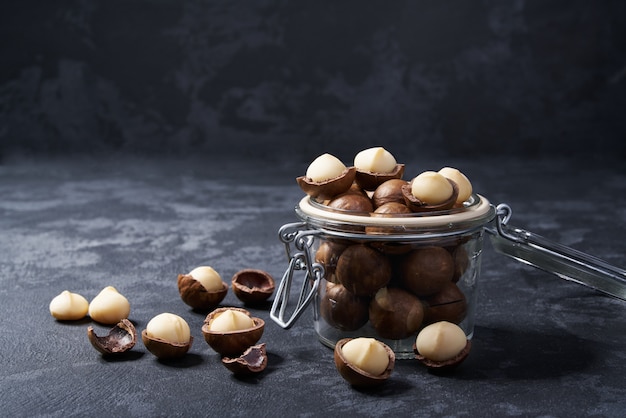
(396, 289)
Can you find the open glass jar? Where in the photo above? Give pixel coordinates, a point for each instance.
(387, 276)
(384, 276)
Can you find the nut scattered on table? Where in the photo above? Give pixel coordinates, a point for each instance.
(109, 306)
(202, 288)
(442, 346)
(364, 361)
(252, 361)
(121, 338)
(252, 285)
(230, 331)
(69, 306)
(167, 336)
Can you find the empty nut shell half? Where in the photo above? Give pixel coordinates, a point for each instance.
(253, 360)
(164, 349)
(354, 375)
(253, 286)
(121, 338)
(194, 294)
(232, 343)
(446, 365)
(329, 188)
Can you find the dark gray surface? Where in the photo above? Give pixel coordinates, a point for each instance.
(542, 347)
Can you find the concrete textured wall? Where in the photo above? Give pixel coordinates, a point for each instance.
(261, 78)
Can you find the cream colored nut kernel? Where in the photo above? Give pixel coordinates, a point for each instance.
(375, 160)
(170, 328)
(68, 306)
(465, 186)
(431, 188)
(367, 354)
(440, 341)
(325, 167)
(231, 320)
(208, 277)
(109, 306)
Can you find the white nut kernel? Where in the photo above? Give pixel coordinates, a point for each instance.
(375, 160)
(170, 328)
(109, 306)
(367, 354)
(325, 167)
(68, 306)
(208, 277)
(465, 186)
(231, 320)
(431, 188)
(440, 341)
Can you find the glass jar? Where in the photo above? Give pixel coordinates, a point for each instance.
(386, 276)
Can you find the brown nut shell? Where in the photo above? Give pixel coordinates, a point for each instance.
(164, 349)
(426, 270)
(389, 191)
(395, 313)
(232, 343)
(327, 255)
(354, 375)
(121, 338)
(417, 205)
(449, 304)
(352, 202)
(328, 189)
(252, 361)
(342, 309)
(252, 285)
(446, 365)
(363, 270)
(194, 294)
(370, 181)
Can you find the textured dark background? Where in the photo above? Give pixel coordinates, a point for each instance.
(261, 77)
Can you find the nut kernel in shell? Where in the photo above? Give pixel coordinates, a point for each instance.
(325, 167)
(230, 320)
(355, 375)
(109, 306)
(252, 286)
(375, 160)
(431, 188)
(253, 360)
(69, 306)
(202, 288)
(167, 336)
(441, 345)
(232, 343)
(327, 189)
(121, 338)
(465, 186)
(367, 354)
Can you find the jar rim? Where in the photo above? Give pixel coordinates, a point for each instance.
(475, 213)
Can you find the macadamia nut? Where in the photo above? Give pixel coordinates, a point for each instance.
(68, 306)
(465, 187)
(440, 341)
(375, 160)
(170, 328)
(367, 354)
(431, 187)
(231, 320)
(325, 167)
(109, 306)
(210, 279)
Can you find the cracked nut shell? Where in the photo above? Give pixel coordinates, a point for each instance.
(369, 180)
(121, 338)
(327, 189)
(396, 313)
(164, 349)
(194, 294)
(342, 309)
(354, 375)
(252, 361)
(446, 365)
(417, 205)
(232, 343)
(252, 285)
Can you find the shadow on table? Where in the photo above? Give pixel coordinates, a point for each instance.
(521, 354)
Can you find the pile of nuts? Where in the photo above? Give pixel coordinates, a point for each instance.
(232, 332)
